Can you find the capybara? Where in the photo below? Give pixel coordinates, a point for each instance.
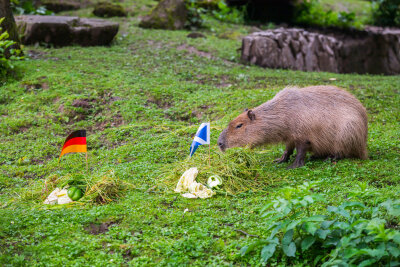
(324, 120)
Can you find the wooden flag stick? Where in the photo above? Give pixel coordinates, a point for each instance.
(86, 162)
(209, 144)
(209, 152)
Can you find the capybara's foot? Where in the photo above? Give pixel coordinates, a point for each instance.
(280, 160)
(296, 164)
(301, 148)
(285, 158)
(286, 155)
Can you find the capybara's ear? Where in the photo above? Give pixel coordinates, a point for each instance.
(246, 109)
(251, 115)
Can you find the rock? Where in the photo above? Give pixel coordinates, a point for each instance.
(168, 14)
(62, 30)
(374, 50)
(106, 9)
(61, 5)
(195, 35)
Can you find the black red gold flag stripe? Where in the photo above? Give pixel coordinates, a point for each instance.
(75, 143)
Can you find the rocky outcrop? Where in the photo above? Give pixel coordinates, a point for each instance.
(374, 51)
(62, 30)
(168, 14)
(61, 5)
(106, 9)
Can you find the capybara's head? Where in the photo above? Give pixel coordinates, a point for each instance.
(241, 131)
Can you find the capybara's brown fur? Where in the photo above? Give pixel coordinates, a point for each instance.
(325, 120)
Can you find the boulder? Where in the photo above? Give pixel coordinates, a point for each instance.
(374, 50)
(61, 5)
(168, 14)
(63, 30)
(106, 9)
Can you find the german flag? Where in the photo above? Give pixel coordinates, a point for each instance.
(75, 143)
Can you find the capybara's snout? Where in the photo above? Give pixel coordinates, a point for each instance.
(222, 141)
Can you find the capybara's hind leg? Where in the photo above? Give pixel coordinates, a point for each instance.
(286, 155)
(334, 158)
(301, 148)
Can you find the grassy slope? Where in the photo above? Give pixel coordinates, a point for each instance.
(147, 99)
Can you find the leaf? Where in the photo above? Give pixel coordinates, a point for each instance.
(339, 211)
(287, 238)
(314, 218)
(352, 204)
(249, 248)
(375, 253)
(331, 241)
(292, 225)
(309, 199)
(393, 249)
(275, 231)
(322, 233)
(367, 262)
(342, 225)
(268, 251)
(317, 259)
(326, 224)
(396, 238)
(350, 252)
(289, 250)
(310, 227)
(307, 242)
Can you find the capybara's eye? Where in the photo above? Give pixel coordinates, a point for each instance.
(239, 125)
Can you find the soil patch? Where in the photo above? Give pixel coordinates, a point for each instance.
(99, 228)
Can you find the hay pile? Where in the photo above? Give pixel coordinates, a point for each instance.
(98, 188)
(240, 170)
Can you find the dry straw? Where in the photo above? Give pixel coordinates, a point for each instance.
(98, 188)
(240, 170)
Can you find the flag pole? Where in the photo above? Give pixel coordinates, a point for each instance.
(209, 152)
(86, 162)
(209, 146)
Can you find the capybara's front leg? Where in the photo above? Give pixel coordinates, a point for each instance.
(302, 148)
(286, 155)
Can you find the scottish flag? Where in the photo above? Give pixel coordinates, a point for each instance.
(202, 137)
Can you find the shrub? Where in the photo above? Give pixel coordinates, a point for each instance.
(386, 12)
(26, 7)
(7, 53)
(350, 234)
(311, 13)
(195, 12)
(228, 14)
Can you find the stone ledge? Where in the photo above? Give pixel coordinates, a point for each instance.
(375, 50)
(63, 30)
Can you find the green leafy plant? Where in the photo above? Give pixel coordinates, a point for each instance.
(312, 13)
(349, 234)
(386, 12)
(7, 53)
(195, 13)
(27, 7)
(228, 14)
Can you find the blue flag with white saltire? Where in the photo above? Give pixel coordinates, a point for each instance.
(202, 137)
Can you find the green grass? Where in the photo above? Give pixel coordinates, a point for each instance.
(147, 98)
(362, 8)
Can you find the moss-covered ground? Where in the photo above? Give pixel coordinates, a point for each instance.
(144, 97)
